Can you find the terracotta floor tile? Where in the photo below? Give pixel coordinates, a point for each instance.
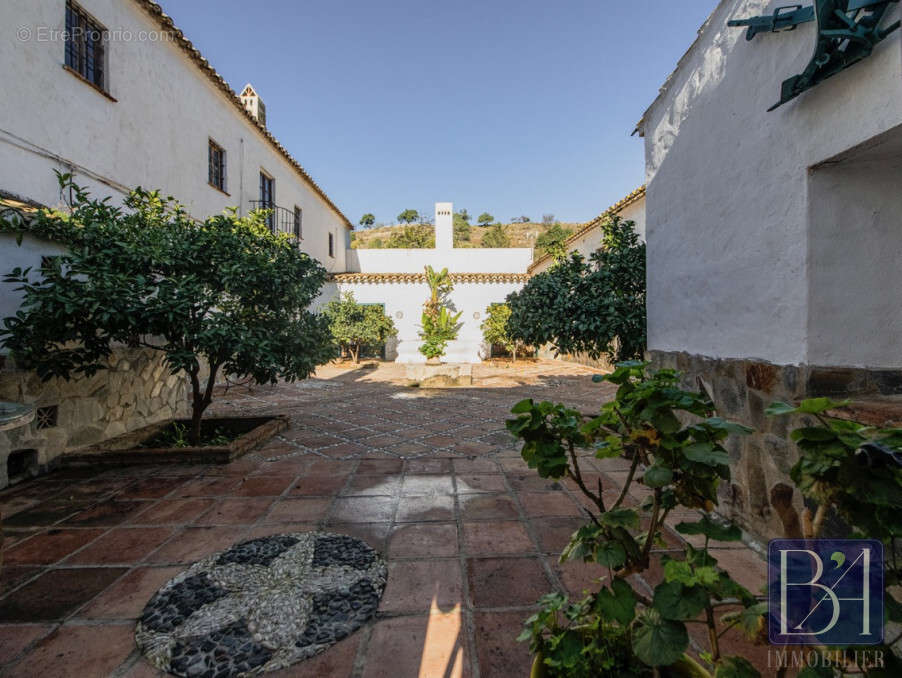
(427, 466)
(487, 506)
(530, 481)
(423, 540)
(154, 487)
(121, 545)
(413, 586)
(279, 528)
(193, 543)
(497, 649)
(363, 509)
(373, 484)
(238, 511)
(77, 651)
(50, 547)
(496, 537)
(540, 504)
(380, 466)
(14, 638)
(46, 513)
(424, 508)
(298, 510)
(421, 485)
(12, 576)
(318, 485)
(209, 486)
(335, 662)
(56, 593)
(173, 511)
(424, 646)
(408, 448)
(262, 486)
(475, 465)
(554, 533)
(470, 484)
(506, 582)
(107, 513)
(577, 576)
(126, 598)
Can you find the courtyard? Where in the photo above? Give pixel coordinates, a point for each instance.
(430, 479)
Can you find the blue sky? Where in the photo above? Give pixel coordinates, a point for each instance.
(515, 108)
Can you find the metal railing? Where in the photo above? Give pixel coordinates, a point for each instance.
(279, 219)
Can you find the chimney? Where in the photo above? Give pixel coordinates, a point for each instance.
(254, 104)
(444, 225)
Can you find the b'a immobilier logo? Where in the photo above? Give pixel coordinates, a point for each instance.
(825, 592)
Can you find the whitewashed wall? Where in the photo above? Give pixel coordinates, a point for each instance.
(155, 135)
(463, 260)
(730, 269)
(28, 255)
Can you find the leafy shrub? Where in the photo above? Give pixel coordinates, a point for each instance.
(495, 330)
(412, 237)
(553, 242)
(496, 236)
(356, 326)
(439, 324)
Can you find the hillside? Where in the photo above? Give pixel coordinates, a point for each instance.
(521, 235)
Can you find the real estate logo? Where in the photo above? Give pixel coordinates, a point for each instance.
(825, 592)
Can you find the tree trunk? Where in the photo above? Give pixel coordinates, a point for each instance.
(200, 401)
(355, 353)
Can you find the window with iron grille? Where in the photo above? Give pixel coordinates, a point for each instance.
(331, 245)
(85, 45)
(46, 417)
(298, 217)
(267, 197)
(216, 166)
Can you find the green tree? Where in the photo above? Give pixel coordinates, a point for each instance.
(367, 220)
(356, 326)
(377, 243)
(553, 242)
(464, 215)
(461, 229)
(223, 296)
(596, 307)
(439, 324)
(495, 330)
(412, 237)
(408, 217)
(496, 236)
(485, 219)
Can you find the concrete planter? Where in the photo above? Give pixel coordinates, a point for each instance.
(124, 450)
(442, 375)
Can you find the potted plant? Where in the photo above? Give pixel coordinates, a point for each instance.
(674, 445)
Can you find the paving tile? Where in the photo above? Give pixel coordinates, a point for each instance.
(408, 448)
(49, 547)
(107, 513)
(413, 586)
(207, 487)
(173, 511)
(12, 576)
(475, 465)
(487, 506)
(428, 466)
(298, 510)
(423, 540)
(497, 649)
(496, 537)
(577, 576)
(336, 662)
(425, 508)
(424, 646)
(380, 466)
(506, 582)
(121, 545)
(420, 485)
(126, 598)
(14, 638)
(56, 593)
(539, 504)
(318, 485)
(470, 484)
(193, 543)
(279, 528)
(363, 509)
(374, 534)
(77, 651)
(370, 484)
(532, 482)
(262, 486)
(46, 513)
(554, 533)
(239, 511)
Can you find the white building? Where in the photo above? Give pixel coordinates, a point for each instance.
(396, 279)
(774, 238)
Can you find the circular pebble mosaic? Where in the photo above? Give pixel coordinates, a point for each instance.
(261, 605)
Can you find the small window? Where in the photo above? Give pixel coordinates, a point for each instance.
(216, 166)
(47, 417)
(85, 45)
(267, 197)
(298, 218)
(331, 245)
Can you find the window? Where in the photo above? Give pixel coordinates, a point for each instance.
(47, 417)
(216, 166)
(331, 245)
(85, 45)
(267, 197)
(298, 218)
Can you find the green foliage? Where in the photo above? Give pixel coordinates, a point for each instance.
(367, 220)
(412, 237)
(485, 219)
(461, 228)
(356, 326)
(596, 307)
(673, 434)
(408, 216)
(377, 243)
(496, 236)
(439, 324)
(226, 294)
(553, 242)
(494, 329)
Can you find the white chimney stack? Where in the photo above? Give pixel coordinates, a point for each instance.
(253, 103)
(444, 226)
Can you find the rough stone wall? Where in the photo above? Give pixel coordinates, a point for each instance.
(135, 391)
(601, 363)
(741, 390)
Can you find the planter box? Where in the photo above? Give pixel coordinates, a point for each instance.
(124, 450)
(442, 375)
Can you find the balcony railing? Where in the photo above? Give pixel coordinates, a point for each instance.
(279, 219)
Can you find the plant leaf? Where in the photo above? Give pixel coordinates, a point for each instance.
(618, 602)
(658, 641)
(706, 453)
(710, 529)
(676, 601)
(657, 476)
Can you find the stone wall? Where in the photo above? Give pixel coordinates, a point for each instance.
(135, 391)
(741, 390)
